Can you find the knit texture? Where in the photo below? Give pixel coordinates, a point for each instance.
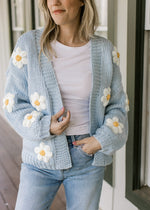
(32, 96)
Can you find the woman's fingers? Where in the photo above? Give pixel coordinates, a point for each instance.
(59, 114)
(80, 142)
(65, 121)
(57, 127)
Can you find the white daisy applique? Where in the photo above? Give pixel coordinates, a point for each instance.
(8, 102)
(127, 103)
(43, 152)
(38, 101)
(116, 56)
(19, 58)
(106, 97)
(30, 118)
(115, 125)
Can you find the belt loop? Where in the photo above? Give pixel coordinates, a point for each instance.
(72, 137)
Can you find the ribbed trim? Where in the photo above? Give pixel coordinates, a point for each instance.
(101, 160)
(27, 158)
(44, 127)
(96, 56)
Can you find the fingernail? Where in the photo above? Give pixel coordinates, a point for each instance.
(62, 108)
(74, 143)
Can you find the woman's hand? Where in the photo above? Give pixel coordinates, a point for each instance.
(90, 145)
(58, 127)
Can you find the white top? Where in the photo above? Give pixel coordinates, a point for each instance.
(73, 72)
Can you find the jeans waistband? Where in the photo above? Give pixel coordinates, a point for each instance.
(72, 138)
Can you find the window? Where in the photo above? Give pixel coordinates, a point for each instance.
(39, 19)
(21, 16)
(18, 21)
(18, 15)
(102, 7)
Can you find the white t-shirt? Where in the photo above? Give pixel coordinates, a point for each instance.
(73, 72)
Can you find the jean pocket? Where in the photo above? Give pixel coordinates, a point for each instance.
(84, 153)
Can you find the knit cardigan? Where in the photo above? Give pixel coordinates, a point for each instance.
(32, 96)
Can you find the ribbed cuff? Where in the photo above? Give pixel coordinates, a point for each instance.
(105, 142)
(44, 130)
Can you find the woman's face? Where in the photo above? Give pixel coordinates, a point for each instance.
(65, 12)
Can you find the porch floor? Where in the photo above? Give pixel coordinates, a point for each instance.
(10, 162)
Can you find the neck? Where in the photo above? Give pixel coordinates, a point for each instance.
(68, 34)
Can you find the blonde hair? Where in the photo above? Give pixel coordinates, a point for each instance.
(89, 22)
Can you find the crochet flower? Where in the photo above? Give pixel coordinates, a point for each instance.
(127, 103)
(8, 102)
(116, 56)
(30, 118)
(105, 98)
(43, 152)
(115, 125)
(38, 101)
(19, 58)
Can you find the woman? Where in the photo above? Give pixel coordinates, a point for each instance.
(64, 97)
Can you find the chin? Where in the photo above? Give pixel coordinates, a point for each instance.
(59, 22)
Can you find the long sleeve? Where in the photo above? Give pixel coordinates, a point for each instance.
(113, 133)
(28, 121)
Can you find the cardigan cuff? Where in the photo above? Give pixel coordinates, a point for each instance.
(106, 143)
(44, 130)
(106, 151)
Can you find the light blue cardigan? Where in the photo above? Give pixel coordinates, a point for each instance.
(31, 86)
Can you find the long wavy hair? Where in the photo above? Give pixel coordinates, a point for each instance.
(89, 22)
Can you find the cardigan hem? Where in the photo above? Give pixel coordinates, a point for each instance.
(29, 159)
(101, 159)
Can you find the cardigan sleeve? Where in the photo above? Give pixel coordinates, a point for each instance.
(113, 133)
(19, 112)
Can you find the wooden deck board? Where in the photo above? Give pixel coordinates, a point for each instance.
(8, 191)
(3, 204)
(10, 163)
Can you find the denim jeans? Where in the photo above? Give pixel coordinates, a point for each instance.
(82, 182)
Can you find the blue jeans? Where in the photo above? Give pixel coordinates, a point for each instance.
(82, 182)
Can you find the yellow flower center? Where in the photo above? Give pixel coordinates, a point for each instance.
(108, 97)
(118, 54)
(37, 103)
(42, 153)
(18, 58)
(116, 124)
(29, 117)
(6, 102)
